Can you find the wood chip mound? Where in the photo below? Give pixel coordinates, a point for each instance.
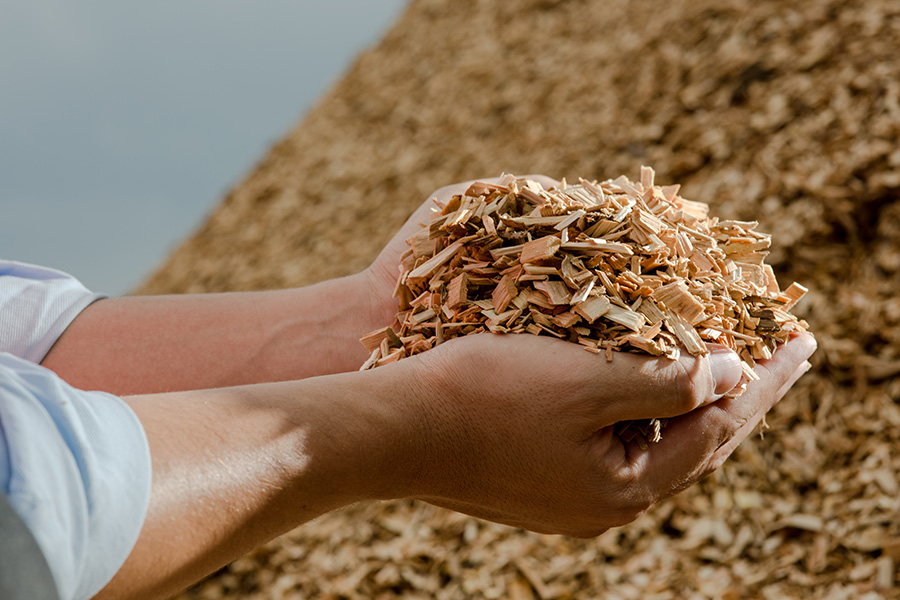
(778, 111)
(617, 265)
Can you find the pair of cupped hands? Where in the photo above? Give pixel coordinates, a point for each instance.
(519, 428)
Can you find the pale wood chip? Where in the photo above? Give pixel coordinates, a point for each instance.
(556, 291)
(457, 291)
(503, 293)
(540, 249)
(373, 340)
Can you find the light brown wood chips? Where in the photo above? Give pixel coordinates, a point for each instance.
(782, 111)
(618, 265)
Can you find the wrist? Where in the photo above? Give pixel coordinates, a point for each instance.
(375, 297)
(369, 443)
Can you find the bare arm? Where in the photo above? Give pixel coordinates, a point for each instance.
(236, 467)
(516, 429)
(148, 344)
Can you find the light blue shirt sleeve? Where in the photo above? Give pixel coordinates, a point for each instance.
(74, 464)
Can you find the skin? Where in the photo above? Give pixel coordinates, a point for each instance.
(258, 422)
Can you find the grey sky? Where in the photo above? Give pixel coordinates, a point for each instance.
(122, 124)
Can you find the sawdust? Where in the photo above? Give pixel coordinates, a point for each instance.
(787, 113)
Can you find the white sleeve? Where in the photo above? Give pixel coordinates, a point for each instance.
(36, 306)
(74, 465)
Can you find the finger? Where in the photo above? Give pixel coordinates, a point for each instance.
(690, 446)
(647, 387)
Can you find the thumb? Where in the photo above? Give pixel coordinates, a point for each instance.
(725, 368)
(644, 387)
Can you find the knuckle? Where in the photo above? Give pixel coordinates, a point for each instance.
(689, 390)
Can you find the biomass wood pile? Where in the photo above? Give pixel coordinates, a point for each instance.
(782, 112)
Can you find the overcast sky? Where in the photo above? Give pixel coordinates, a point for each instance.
(122, 124)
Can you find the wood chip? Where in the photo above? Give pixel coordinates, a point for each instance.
(593, 308)
(504, 293)
(373, 340)
(540, 249)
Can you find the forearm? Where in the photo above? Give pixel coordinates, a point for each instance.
(517, 429)
(149, 344)
(236, 467)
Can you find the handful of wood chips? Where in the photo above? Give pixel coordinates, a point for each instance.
(612, 266)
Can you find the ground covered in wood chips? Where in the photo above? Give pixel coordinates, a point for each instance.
(782, 112)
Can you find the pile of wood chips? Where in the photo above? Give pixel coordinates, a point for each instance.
(779, 111)
(617, 265)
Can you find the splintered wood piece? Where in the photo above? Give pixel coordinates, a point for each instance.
(593, 308)
(599, 246)
(480, 188)
(429, 266)
(424, 315)
(647, 345)
(647, 221)
(394, 356)
(373, 358)
(582, 294)
(793, 293)
(503, 293)
(540, 249)
(698, 210)
(569, 219)
(372, 341)
(679, 300)
(457, 291)
(556, 291)
(566, 320)
(686, 334)
(745, 246)
(626, 317)
(647, 175)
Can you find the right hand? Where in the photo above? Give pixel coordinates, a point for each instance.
(518, 429)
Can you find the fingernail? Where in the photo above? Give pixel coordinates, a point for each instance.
(725, 367)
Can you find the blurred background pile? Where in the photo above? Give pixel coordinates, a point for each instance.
(782, 112)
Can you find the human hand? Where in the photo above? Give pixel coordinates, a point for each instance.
(519, 429)
(380, 278)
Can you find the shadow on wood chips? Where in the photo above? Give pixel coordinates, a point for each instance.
(784, 112)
